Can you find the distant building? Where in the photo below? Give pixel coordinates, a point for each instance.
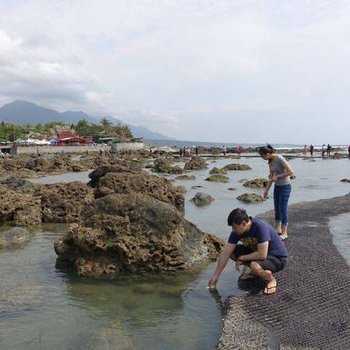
(67, 137)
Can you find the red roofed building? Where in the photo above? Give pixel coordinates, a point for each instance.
(68, 137)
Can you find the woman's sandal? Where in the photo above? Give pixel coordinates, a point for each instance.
(284, 236)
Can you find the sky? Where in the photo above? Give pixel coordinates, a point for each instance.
(239, 71)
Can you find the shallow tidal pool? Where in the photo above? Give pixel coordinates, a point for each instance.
(43, 307)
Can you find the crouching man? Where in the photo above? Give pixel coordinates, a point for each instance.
(261, 249)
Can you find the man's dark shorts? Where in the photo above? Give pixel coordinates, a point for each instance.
(272, 263)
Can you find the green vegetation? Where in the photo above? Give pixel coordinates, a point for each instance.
(11, 132)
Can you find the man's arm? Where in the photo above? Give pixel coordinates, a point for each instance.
(222, 261)
(260, 254)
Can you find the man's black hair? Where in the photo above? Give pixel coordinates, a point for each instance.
(237, 216)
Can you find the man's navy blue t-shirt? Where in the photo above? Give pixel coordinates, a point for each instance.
(261, 232)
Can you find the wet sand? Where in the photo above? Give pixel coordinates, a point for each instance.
(310, 309)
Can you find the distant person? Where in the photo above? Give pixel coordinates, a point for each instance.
(311, 148)
(239, 150)
(224, 150)
(280, 172)
(305, 150)
(262, 250)
(180, 152)
(196, 150)
(329, 148)
(323, 150)
(349, 151)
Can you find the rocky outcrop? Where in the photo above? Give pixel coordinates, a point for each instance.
(31, 166)
(196, 163)
(133, 232)
(237, 166)
(216, 170)
(17, 184)
(20, 209)
(337, 155)
(63, 202)
(24, 204)
(201, 199)
(218, 178)
(127, 182)
(185, 177)
(250, 198)
(163, 165)
(105, 169)
(256, 183)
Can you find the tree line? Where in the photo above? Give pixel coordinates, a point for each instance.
(11, 132)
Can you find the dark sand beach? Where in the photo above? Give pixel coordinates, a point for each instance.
(311, 307)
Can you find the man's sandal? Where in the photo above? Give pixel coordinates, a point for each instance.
(267, 289)
(247, 276)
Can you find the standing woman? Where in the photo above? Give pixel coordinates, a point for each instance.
(280, 172)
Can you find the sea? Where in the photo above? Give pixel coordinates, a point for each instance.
(44, 307)
(181, 143)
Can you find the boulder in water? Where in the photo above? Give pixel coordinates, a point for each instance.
(16, 236)
(218, 178)
(196, 163)
(133, 232)
(250, 198)
(201, 199)
(237, 166)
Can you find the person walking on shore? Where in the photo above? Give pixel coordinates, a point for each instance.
(349, 151)
(280, 172)
(311, 148)
(323, 150)
(261, 249)
(224, 150)
(329, 148)
(304, 150)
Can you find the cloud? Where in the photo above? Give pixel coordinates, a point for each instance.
(165, 64)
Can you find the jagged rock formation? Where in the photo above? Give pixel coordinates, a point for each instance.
(185, 177)
(256, 183)
(201, 199)
(136, 233)
(218, 178)
(109, 180)
(216, 170)
(237, 166)
(23, 203)
(196, 163)
(250, 198)
(163, 165)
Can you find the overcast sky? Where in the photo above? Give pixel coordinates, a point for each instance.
(205, 70)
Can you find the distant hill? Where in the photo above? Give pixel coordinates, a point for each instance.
(21, 112)
(140, 131)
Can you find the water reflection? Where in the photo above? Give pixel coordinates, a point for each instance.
(339, 228)
(44, 307)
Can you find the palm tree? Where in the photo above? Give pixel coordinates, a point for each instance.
(105, 123)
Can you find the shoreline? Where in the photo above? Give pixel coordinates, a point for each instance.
(309, 309)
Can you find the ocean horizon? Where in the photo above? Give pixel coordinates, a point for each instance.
(182, 143)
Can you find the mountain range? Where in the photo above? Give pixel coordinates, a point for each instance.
(22, 112)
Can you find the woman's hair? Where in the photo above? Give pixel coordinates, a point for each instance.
(268, 149)
(237, 216)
